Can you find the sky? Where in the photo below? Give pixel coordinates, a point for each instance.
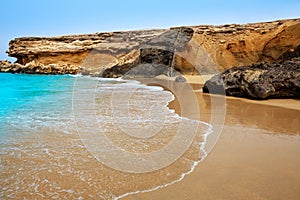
(20, 18)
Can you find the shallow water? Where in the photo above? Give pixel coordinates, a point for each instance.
(82, 138)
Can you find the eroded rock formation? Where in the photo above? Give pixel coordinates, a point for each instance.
(187, 50)
(258, 81)
(38, 68)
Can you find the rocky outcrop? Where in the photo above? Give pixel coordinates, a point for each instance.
(258, 81)
(188, 50)
(155, 56)
(38, 68)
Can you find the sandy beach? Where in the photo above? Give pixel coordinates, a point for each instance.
(126, 100)
(253, 151)
(256, 157)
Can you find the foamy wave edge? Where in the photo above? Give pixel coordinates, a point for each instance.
(209, 131)
(202, 147)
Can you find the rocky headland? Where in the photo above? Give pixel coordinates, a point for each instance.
(188, 50)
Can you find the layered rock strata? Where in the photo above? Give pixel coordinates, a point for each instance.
(38, 68)
(187, 50)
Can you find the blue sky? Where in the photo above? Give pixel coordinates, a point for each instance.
(20, 18)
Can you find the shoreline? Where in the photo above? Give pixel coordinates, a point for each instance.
(257, 140)
(158, 82)
(268, 125)
(197, 82)
(241, 149)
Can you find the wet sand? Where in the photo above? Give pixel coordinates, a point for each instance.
(256, 157)
(49, 162)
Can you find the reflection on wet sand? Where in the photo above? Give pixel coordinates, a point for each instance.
(256, 156)
(276, 115)
(249, 161)
(45, 164)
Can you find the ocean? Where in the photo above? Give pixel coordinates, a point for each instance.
(78, 137)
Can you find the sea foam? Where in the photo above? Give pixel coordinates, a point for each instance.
(56, 126)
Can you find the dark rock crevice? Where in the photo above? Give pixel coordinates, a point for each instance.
(156, 56)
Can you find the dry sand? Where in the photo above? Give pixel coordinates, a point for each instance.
(256, 157)
(197, 79)
(192, 79)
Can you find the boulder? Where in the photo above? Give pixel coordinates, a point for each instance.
(258, 81)
(146, 70)
(180, 79)
(5, 66)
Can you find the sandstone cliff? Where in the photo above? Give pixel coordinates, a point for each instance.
(188, 50)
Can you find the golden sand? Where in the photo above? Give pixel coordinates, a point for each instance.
(256, 157)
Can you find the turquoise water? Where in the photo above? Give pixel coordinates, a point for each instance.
(66, 137)
(28, 102)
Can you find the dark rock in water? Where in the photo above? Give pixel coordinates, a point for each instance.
(180, 79)
(258, 81)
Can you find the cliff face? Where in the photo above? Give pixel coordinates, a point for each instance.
(189, 50)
